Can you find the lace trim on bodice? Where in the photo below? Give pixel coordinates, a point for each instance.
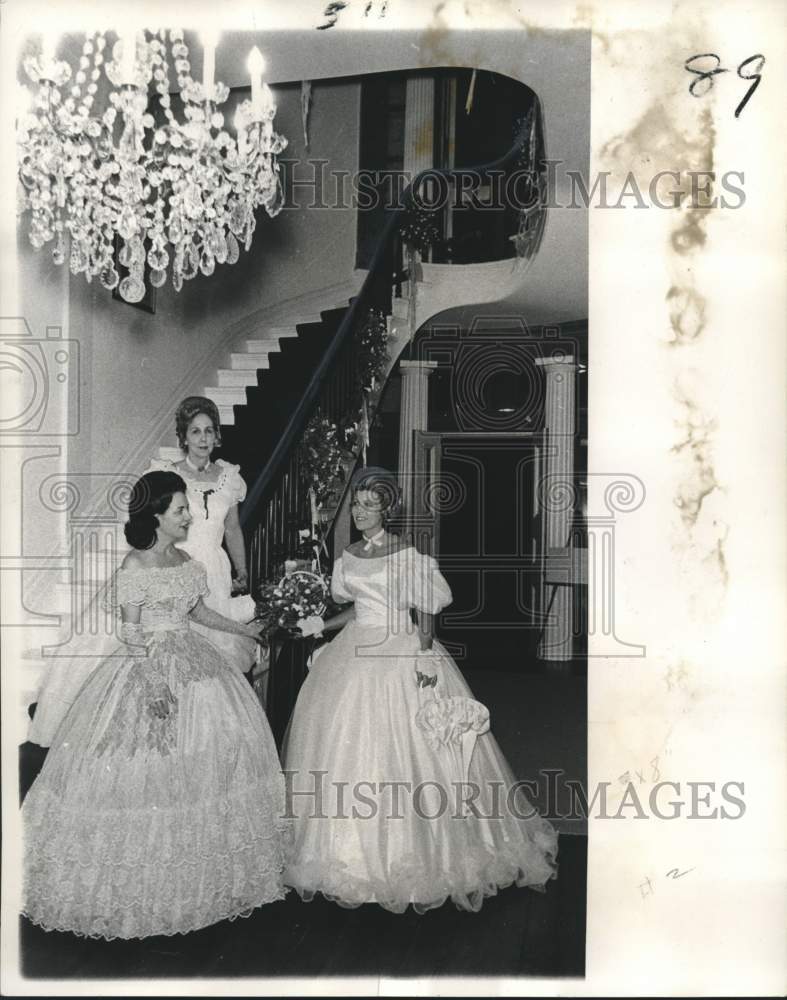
(229, 482)
(165, 593)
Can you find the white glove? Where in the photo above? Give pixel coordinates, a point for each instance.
(313, 625)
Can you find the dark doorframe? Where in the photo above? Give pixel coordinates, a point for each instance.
(477, 511)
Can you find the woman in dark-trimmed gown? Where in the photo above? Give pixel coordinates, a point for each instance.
(214, 488)
(159, 809)
(400, 793)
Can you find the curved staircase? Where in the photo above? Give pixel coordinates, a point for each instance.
(261, 375)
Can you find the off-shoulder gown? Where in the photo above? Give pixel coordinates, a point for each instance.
(400, 793)
(209, 503)
(138, 826)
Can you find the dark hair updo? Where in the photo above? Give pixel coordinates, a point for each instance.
(383, 483)
(193, 406)
(151, 495)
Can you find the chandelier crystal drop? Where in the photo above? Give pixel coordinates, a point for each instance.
(130, 182)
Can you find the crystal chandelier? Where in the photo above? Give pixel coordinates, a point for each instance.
(130, 183)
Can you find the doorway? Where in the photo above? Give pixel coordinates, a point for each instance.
(476, 510)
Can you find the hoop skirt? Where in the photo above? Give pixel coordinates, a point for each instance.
(400, 793)
(139, 826)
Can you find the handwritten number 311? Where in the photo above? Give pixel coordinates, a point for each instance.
(705, 76)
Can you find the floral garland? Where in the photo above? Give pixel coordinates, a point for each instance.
(420, 229)
(323, 453)
(327, 448)
(532, 217)
(371, 351)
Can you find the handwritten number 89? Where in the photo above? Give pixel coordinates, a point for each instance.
(705, 76)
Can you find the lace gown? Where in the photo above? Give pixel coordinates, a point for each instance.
(138, 826)
(209, 504)
(362, 719)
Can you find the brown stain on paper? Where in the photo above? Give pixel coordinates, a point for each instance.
(687, 313)
(684, 142)
(699, 499)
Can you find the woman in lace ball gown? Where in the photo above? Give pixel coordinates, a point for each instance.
(160, 806)
(214, 490)
(417, 803)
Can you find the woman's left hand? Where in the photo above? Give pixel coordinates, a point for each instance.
(240, 583)
(257, 631)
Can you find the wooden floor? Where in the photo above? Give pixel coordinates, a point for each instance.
(517, 933)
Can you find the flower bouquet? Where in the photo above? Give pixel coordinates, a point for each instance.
(300, 594)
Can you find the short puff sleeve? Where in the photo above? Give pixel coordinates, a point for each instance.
(425, 587)
(339, 590)
(189, 581)
(236, 484)
(160, 465)
(128, 586)
(196, 584)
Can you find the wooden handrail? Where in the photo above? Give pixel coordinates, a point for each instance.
(376, 293)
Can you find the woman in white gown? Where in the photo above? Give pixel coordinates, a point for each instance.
(400, 794)
(159, 808)
(214, 490)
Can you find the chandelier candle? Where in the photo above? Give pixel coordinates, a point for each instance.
(209, 41)
(178, 194)
(129, 58)
(256, 65)
(47, 50)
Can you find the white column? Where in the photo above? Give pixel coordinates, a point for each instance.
(556, 491)
(419, 124)
(413, 416)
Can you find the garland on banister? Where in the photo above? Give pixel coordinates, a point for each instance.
(323, 451)
(530, 160)
(327, 447)
(371, 349)
(420, 228)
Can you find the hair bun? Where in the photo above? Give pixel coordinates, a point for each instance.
(140, 531)
(151, 495)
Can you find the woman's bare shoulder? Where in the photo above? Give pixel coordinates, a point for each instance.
(134, 559)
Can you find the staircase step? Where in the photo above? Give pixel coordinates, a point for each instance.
(169, 453)
(264, 347)
(230, 378)
(298, 318)
(226, 396)
(274, 332)
(227, 415)
(248, 362)
(400, 308)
